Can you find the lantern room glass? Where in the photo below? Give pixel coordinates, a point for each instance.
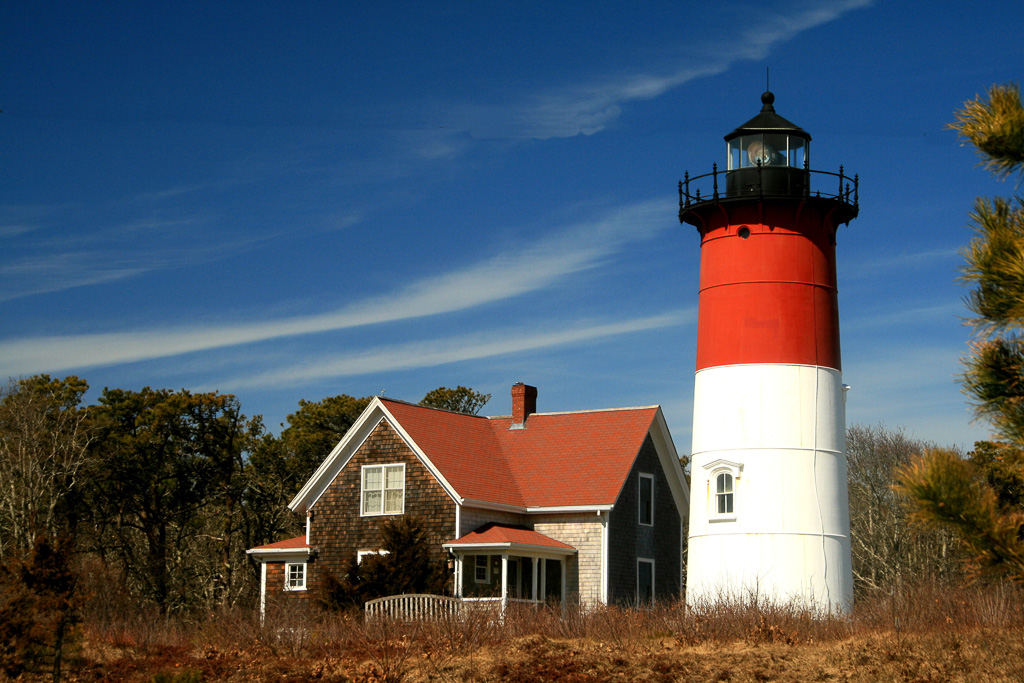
(767, 149)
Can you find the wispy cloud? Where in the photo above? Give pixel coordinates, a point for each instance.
(14, 230)
(915, 259)
(524, 269)
(58, 272)
(443, 351)
(96, 261)
(912, 316)
(585, 109)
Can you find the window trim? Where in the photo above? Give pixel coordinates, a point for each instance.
(288, 577)
(718, 468)
(640, 500)
(384, 467)
(639, 561)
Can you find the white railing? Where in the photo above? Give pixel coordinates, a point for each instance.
(415, 607)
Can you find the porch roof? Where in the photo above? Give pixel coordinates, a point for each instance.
(289, 547)
(504, 537)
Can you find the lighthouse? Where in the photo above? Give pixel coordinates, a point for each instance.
(769, 508)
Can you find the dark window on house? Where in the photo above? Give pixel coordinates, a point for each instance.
(552, 580)
(646, 499)
(645, 581)
(482, 569)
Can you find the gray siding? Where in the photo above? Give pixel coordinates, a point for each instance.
(629, 540)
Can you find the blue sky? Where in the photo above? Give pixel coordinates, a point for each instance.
(302, 199)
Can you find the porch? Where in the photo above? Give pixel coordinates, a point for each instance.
(500, 565)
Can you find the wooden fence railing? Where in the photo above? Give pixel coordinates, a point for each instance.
(415, 607)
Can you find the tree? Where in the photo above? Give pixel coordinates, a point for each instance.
(886, 549)
(946, 489)
(460, 399)
(43, 439)
(314, 430)
(166, 488)
(406, 565)
(39, 603)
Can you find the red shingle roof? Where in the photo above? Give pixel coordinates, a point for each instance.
(298, 542)
(497, 534)
(558, 459)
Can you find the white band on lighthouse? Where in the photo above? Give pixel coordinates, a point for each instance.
(778, 431)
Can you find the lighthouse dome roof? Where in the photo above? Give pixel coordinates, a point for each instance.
(768, 122)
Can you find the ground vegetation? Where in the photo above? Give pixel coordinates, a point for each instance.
(927, 632)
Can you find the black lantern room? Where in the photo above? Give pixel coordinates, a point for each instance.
(768, 158)
(767, 154)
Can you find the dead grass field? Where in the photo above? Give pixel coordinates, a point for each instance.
(922, 634)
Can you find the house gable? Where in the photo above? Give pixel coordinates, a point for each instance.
(339, 530)
(353, 440)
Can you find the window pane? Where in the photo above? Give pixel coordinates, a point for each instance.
(296, 576)
(371, 502)
(393, 501)
(645, 581)
(371, 478)
(646, 497)
(395, 477)
(775, 150)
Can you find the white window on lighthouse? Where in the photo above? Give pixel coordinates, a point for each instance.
(723, 495)
(722, 489)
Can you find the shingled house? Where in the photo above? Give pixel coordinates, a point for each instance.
(585, 505)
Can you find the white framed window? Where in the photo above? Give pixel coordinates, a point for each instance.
(482, 569)
(383, 490)
(295, 576)
(644, 581)
(645, 496)
(722, 490)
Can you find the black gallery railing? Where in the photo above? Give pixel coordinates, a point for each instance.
(766, 181)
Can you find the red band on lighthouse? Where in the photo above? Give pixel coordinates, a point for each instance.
(768, 293)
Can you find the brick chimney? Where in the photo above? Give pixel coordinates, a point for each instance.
(524, 403)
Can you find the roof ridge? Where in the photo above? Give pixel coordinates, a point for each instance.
(418, 405)
(581, 412)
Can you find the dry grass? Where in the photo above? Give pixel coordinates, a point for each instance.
(920, 634)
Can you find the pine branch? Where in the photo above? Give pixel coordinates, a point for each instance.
(945, 492)
(996, 127)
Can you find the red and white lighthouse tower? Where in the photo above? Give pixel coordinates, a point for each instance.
(769, 509)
